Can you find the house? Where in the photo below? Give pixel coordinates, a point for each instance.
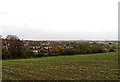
(46, 46)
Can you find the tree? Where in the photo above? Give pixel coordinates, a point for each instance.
(12, 37)
(5, 50)
(82, 48)
(13, 48)
(97, 49)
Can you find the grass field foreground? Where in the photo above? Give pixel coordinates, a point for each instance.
(102, 66)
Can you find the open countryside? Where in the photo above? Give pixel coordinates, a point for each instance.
(103, 66)
(59, 60)
(57, 40)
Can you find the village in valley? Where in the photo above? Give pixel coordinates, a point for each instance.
(53, 46)
(55, 58)
(46, 46)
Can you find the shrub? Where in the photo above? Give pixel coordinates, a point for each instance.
(97, 49)
(39, 54)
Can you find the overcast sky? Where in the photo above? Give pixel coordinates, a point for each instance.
(60, 19)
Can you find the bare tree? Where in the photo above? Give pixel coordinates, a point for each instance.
(12, 37)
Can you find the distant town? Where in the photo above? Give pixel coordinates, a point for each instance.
(47, 45)
(42, 59)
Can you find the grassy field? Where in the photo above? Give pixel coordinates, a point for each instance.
(78, 67)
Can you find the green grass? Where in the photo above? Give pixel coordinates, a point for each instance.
(78, 67)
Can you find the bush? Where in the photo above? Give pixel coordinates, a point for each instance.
(39, 54)
(66, 52)
(97, 49)
(82, 48)
(111, 50)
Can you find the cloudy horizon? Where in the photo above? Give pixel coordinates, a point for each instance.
(60, 19)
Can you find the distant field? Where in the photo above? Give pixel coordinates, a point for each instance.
(78, 67)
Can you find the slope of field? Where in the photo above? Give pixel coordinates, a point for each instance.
(78, 67)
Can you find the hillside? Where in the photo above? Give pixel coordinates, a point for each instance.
(78, 67)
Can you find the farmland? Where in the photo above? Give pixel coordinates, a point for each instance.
(75, 67)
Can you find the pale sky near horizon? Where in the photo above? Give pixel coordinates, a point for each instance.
(60, 19)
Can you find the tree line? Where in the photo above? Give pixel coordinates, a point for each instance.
(13, 48)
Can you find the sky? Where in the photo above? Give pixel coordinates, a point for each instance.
(59, 19)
